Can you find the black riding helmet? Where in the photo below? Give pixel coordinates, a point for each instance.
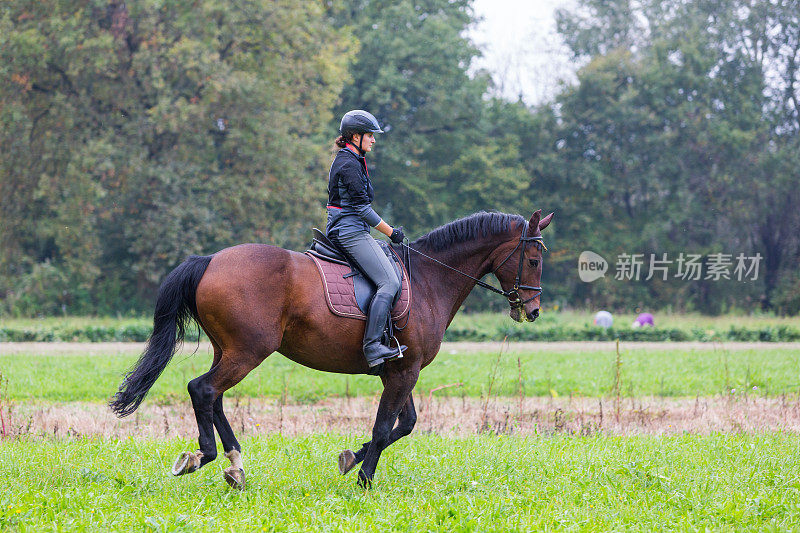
(359, 121)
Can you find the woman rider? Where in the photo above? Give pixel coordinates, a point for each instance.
(350, 216)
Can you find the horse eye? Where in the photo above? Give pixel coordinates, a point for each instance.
(534, 262)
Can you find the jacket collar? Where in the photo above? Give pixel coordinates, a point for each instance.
(353, 150)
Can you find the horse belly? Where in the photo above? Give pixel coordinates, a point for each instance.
(325, 342)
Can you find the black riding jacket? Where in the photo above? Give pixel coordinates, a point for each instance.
(350, 195)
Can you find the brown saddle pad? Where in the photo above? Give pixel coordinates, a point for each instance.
(340, 292)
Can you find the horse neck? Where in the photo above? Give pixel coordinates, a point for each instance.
(445, 289)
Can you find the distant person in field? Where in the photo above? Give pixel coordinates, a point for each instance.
(603, 319)
(350, 217)
(644, 319)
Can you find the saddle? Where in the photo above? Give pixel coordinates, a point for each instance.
(348, 292)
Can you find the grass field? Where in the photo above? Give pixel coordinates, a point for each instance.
(75, 321)
(93, 374)
(659, 465)
(424, 483)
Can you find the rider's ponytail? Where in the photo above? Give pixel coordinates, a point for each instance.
(340, 141)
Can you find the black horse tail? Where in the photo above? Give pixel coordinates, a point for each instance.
(175, 307)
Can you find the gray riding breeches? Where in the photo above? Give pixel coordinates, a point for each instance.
(368, 256)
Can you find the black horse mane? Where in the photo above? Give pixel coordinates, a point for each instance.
(480, 224)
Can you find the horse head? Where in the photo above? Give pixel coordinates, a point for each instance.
(518, 267)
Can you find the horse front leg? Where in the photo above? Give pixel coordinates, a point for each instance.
(398, 385)
(405, 424)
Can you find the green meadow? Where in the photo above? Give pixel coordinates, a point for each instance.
(648, 370)
(551, 326)
(579, 319)
(549, 316)
(424, 483)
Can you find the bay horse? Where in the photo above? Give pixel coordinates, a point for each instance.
(255, 299)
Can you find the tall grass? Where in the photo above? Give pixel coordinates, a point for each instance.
(579, 319)
(578, 326)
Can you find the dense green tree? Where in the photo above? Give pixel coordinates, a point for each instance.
(140, 133)
(440, 157)
(673, 126)
(137, 133)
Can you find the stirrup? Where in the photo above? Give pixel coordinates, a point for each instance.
(400, 349)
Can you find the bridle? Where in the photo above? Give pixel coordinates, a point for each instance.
(514, 299)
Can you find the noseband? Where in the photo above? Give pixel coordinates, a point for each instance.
(512, 295)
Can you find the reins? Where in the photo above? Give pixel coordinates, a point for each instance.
(513, 294)
(476, 280)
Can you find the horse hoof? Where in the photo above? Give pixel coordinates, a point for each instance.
(186, 463)
(234, 477)
(347, 460)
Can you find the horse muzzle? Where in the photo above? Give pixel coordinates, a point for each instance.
(518, 314)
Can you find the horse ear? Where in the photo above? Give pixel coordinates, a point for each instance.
(545, 221)
(534, 221)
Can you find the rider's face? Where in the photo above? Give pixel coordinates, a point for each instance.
(367, 141)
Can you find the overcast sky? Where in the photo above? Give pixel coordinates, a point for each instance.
(521, 48)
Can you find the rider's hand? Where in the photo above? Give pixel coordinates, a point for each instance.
(397, 235)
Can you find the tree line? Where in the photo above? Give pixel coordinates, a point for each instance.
(135, 134)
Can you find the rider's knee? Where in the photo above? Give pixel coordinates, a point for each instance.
(390, 286)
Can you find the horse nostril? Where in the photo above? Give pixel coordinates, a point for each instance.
(533, 315)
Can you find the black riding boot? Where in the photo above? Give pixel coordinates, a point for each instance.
(375, 352)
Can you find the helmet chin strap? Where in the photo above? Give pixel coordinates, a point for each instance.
(361, 151)
(359, 148)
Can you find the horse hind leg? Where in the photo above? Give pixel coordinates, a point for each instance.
(202, 403)
(189, 462)
(206, 392)
(203, 396)
(234, 474)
